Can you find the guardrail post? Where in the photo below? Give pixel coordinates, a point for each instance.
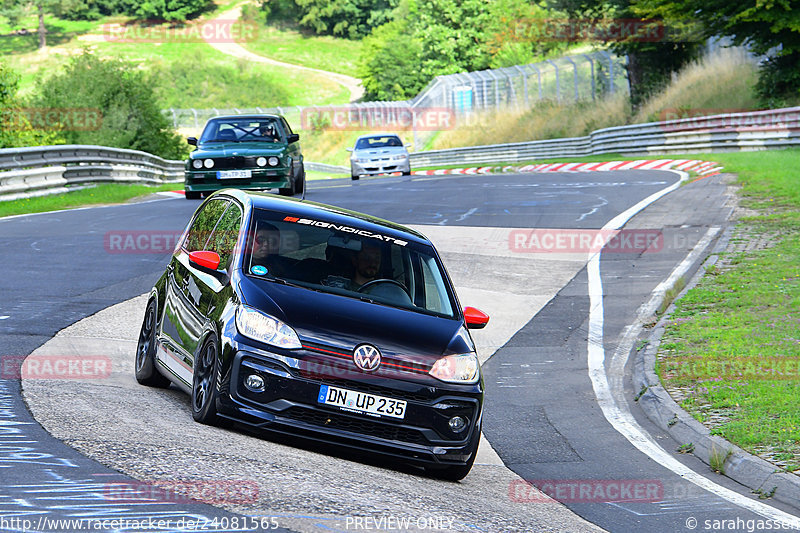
(591, 66)
(558, 80)
(574, 76)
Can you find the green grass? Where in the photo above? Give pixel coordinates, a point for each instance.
(732, 345)
(316, 51)
(185, 74)
(106, 193)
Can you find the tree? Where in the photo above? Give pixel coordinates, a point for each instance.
(171, 10)
(13, 10)
(121, 96)
(15, 128)
(349, 18)
(653, 54)
(766, 26)
(389, 68)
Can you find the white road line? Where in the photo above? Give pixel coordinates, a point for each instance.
(618, 414)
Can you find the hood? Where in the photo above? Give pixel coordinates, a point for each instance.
(379, 152)
(251, 149)
(343, 323)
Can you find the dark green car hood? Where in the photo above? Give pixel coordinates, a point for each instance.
(252, 149)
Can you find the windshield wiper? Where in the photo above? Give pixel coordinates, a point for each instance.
(221, 141)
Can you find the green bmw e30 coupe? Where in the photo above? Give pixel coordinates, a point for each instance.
(254, 152)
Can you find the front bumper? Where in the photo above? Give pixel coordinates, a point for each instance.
(271, 178)
(289, 405)
(380, 166)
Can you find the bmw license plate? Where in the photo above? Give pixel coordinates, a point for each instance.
(226, 174)
(361, 402)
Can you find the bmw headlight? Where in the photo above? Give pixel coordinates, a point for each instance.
(208, 163)
(261, 161)
(457, 369)
(264, 328)
(197, 163)
(273, 161)
(400, 157)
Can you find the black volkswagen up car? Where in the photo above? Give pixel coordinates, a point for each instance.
(313, 321)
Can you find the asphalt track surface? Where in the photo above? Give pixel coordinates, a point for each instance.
(541, 415)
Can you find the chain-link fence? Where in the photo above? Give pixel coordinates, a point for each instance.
(578, 77)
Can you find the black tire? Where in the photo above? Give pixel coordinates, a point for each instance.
(204, 383)
(145, 364)
(353, 175)
(300, 182)
(192, 195)
(287, 191)
(406, 172)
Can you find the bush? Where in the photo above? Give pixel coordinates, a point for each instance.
(779, 80)
(15, 127)
(220, 84)
(172, 10)
(125, 100)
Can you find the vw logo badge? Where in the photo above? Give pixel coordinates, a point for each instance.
(367, 357)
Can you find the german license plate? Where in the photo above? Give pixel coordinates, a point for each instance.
(227, 174)
(361, 402)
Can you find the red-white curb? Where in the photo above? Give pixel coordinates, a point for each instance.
(703, 168)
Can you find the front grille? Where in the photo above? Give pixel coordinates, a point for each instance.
(372, 428)
(234, 162)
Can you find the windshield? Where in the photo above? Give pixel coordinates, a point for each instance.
(348, 261)
(378, 142)
(242, 130)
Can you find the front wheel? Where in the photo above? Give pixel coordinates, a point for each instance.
(145, 365)
(204, 383)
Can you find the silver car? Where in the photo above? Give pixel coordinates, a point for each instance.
(378, 154)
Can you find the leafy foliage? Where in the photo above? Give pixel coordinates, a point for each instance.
(122, 95)
(15, 127)
(171, 10)
(348, 18)
(761, 25)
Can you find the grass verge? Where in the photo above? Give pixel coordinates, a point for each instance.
(731, 350)
(105, 193)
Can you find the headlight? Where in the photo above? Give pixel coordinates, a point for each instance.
(457, 368)
(261, 161)
(264, 328)
(208, 163)
(273, 161)
(400, 157)
(197, 163)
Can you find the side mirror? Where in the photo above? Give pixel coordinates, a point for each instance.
(475, 318)
(349, 149)
(205, 260)
(409, 145)
(293, 138)
(192, 141)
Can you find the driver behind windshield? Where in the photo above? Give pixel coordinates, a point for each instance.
(367, 263)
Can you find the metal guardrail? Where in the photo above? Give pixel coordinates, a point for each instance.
(28, 171)
(755, 130)
(322, 167)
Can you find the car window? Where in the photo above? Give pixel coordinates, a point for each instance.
(266, 129)
(378, 142)
(226, 234)
(204, 223)
(355, 262)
